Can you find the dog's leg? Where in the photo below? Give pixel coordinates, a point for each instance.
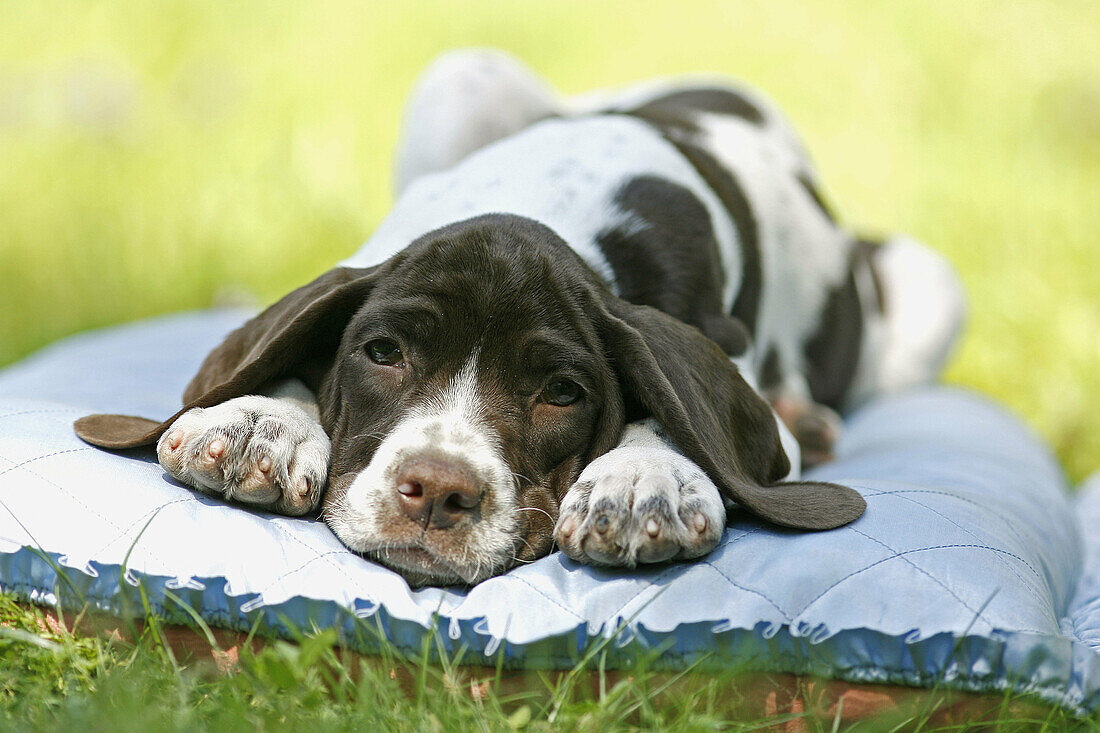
(267, 451)
(463, 101)
(642, 502)
(792, 445)
(807, 430)
(815, 427)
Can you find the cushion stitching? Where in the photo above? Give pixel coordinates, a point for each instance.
(679, 566)
(899, 554)
(122, 532)
(729, 580)
(530, 585)
(145, 516)
(14, 465)
(1046, 601)
(318, 556)
(117, 527)
(1009, 524)
(927, 574)
(42, 411)
(313, 550)
(63, 490)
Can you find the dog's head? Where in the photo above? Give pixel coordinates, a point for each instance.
(467, 381)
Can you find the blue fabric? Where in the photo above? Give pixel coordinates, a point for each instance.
(963, 572)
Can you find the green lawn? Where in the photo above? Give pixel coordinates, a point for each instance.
(156, 155)
(53, 680)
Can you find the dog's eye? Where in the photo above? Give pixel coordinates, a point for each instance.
(385, 352)
(562, 393)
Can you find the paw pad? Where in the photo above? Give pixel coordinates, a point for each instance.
(255, 450)
(638, 506)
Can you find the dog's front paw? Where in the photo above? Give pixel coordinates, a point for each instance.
(254, 450)
(637, 505)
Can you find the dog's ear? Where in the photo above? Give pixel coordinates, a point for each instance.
(695, 392)
(303, 327)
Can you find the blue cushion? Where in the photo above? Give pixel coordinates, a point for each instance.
(963, 571)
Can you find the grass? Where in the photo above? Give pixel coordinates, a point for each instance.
(52, 679)
(159, 154)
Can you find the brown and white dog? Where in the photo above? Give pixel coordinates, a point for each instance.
(562, 332)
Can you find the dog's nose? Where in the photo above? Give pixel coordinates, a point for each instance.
(439, 492)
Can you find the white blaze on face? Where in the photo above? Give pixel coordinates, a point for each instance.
(450, 425)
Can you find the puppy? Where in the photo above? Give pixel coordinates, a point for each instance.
(564, 332)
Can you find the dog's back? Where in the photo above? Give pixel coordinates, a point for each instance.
(695, 198)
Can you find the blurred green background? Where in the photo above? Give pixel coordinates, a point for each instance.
(156, 154)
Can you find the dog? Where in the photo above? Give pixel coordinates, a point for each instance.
(572, 328)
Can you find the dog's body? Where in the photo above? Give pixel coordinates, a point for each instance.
(462, 382)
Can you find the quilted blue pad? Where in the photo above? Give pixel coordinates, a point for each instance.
(963, 572)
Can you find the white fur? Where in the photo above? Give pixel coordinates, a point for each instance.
(645, 483)
(489, 91)
(451, 426)
(925, 311)
(564, 173)
(284, 429)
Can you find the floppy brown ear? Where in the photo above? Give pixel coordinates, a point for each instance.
(712, 415)
(305, 326)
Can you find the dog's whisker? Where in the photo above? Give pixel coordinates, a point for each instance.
(535, 509)
(515, 554)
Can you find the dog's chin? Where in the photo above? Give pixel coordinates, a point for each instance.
(420, 567)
